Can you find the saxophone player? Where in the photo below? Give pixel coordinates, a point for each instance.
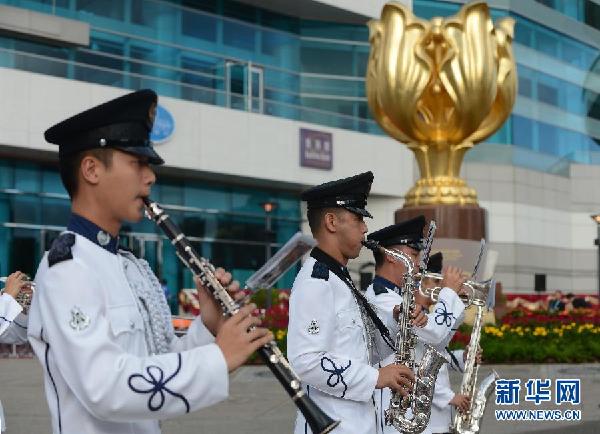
(332, 326)
(444, 399)
(99, 322)
(384, 293)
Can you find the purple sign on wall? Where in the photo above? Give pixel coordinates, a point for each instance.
(316, 149)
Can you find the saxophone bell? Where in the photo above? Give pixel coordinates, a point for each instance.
(475, 293)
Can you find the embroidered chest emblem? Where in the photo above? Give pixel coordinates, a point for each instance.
(79, 320)
(313, 327)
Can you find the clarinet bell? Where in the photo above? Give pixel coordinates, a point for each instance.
(318, 421)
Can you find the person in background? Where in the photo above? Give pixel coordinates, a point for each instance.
(13, 320)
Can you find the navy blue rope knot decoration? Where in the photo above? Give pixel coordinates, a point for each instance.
(336, 372)
(443, 316)
(156, 385)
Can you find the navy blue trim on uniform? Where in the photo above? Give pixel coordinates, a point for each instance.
(320, 271)
(454, 360)
(61, 249)
(381, 416)
(51, 379)
(333, 265)
(335, 372)
(381, 285)
(19, 325)
(5, 319)
(85, 228)
(158, 386)
(443, 317)
(305, 421)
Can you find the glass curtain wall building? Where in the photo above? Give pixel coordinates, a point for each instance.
(224, 223)
(238, 56)
(242, 57)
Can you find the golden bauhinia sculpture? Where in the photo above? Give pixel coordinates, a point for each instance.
(441, 86)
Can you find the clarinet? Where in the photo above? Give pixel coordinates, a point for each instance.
(319, 422)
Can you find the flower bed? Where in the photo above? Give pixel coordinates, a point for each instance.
(275, 317)
(536, 337)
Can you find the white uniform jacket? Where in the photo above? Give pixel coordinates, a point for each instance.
(13, 323)
(441, 323)
(327, 346)
(89, 334)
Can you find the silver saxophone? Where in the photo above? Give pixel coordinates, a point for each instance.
(421, 396)
(469, 422)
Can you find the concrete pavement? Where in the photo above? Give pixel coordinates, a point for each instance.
(259, 405)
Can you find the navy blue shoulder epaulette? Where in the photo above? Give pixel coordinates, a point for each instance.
(320, 271)
(61, 249)
(378, 288)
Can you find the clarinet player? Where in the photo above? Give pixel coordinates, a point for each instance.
(99, 323)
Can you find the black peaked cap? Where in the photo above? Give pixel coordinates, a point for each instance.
(435, 263)
(408, 233)
(123, 123)
(348, 193)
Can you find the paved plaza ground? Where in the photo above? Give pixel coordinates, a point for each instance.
(259, 405)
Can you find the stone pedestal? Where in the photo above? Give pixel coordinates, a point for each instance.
(467, 222)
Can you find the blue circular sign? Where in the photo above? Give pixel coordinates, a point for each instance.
(164, 125)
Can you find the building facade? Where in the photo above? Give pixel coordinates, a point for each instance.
(261, 99)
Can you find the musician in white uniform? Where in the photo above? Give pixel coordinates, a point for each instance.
(13, 321)
(445, 401)
(331, 329)
(99, 322)
(385, 294)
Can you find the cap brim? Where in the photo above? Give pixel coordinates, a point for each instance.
(417, 246)
(143, 151)
(360, 211)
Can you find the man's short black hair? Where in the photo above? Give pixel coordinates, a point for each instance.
(69, 165)
(315, 217)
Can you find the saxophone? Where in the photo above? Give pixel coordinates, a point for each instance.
(469, 422)
(420, 398)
